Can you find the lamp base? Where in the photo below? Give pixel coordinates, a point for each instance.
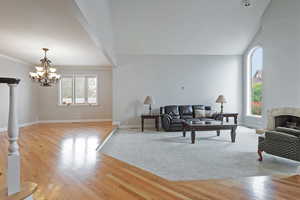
(150, 110)
(222, 108)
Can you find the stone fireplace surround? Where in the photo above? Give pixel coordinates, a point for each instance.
(283, 111)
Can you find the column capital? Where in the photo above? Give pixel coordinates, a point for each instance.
(9, 80)
(12, 85)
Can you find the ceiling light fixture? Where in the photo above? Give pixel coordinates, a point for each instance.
(246, 3)
(45, 74)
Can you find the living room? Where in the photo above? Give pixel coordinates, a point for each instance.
(117, 66)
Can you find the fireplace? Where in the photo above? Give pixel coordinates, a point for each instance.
(288, 121)
(285, 117)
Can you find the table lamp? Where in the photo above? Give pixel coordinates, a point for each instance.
(221, 99)
(149, 101)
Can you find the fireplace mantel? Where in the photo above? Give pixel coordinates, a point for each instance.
(280, 111)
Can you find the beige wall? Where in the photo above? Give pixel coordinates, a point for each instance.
(174, 80)
(27, 92)
(49, 110)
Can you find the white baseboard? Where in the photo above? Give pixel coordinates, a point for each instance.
(135, 126)
(74, 121)
(116, 123)
(4, 129)
(250, 125)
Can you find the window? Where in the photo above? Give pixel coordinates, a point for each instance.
(78, 89)
(255, 81)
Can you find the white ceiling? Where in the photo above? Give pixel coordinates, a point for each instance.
(207, 27)
(29, 25)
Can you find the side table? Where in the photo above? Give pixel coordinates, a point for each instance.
(227, 115)
(151, 116)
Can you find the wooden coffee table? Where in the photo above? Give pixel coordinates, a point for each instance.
(197, 125)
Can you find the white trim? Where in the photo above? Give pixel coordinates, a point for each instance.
(255, 116)
(253, 122)
(78, 105)
(250, 125)
(136, 126)
(74, 121)
(106, 139)
(116, 123)
(4, 129)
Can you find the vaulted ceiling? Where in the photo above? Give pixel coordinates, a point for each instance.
(155, 27)
(194, 27)
(26, 26)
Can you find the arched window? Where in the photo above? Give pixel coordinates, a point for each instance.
(255, 81)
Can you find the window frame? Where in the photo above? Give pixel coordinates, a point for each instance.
(73, 76)
(249, 82)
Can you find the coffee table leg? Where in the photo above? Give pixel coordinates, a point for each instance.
(157, 124)
(193, 136)
(218, 132)
(233, 135)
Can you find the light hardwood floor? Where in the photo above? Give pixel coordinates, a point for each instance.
(62, 159)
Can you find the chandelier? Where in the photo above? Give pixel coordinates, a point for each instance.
(45, 74)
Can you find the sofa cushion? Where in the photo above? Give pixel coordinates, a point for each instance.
(186, 117)
(291, 131)
(198, 107)
(186, 110)
(199, 113)
(177, 121)
(172, 111)
(209, 113)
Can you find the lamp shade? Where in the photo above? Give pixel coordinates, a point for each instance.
(221, 99)
(149, 100)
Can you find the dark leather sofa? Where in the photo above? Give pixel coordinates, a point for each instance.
(173, 115)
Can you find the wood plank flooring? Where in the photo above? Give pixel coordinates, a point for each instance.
(62, 159)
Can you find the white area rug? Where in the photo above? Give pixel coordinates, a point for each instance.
(173, 157)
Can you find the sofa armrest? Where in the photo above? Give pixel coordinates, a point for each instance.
(281, 137)
(166, 121)
(289, 131)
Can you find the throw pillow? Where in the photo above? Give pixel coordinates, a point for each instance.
(199, 113)
(210, 113)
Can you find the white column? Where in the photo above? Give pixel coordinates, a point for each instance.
(13, 175)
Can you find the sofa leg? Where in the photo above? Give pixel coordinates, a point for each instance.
(260, 155)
